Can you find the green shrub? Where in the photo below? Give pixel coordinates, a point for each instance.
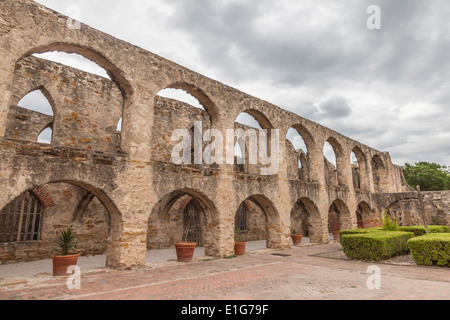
(431, 249)
(420, 230)
(376, 246)
(360, 231)
(388, 224)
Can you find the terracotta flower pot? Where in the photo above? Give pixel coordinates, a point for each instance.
(185, 250)
(239, 248)
(297, 238)
(62, 263)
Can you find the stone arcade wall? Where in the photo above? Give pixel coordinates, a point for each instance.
(128, 176)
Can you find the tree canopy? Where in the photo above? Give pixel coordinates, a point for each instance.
(429, 176)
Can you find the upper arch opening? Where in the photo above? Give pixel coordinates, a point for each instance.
(38, 100)
(112, 71)
(193, 96)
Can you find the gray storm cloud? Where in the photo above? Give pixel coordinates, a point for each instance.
(388, 88)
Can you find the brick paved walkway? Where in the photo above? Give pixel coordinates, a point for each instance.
(298, 276)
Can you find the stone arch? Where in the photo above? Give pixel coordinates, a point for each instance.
(364, 216)
(240, 155)
(305, 219)
(259, 116)
(271, 217)
(359, 173)
(26, 122)
(39, 190)
(306, 136)
(45, 93)
(306, 157)
(43, 196)
(48, 127)
(336, 176)
(339, 216)
(251, 141)
(178, 200)
(203, 98)
(379, 174)
(114, 221)
(113, 71)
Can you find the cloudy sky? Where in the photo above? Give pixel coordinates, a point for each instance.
(388, 88)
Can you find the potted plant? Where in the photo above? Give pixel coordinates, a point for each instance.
(239, 243)
(65, 252)
(185, 250)
(296, 238)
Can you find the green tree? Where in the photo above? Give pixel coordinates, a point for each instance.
(429, 176)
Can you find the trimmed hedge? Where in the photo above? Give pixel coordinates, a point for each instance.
(420, 230)
(360, 231)
(377, 245)
(431, 249)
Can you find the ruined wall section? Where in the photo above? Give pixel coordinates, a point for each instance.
(406, 209)
(171, 115)
(86, 107)
(26, 124)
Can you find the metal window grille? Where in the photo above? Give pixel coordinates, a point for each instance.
(192, 224)
(21, 219)
(241, 218)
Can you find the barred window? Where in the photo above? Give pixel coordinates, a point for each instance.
(241, 218)
(192, 224)
(21, 219)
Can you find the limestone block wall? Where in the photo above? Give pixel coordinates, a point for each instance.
(25, 124)
(87, 108)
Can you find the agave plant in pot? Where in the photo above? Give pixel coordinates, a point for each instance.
(65, 254)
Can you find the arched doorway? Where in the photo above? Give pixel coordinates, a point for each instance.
(305, 220)
(182, 215)
(339, 217)
(258, 219)
(32, 220)
(365, 217)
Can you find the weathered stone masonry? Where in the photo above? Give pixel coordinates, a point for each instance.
(120, 190)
